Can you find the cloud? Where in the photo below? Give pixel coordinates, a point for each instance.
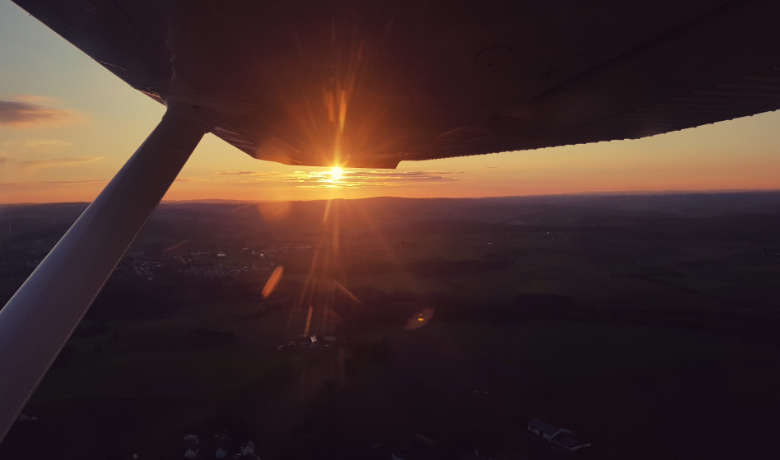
(35, 99)
(194, 179)
(58, 162)
(33, 148)
(42, 185)
(348, 178)
(53, 182)
(399, 176)
(49, 162)
(38, 144)
(237, 173)
(22, 113)
(370, 178)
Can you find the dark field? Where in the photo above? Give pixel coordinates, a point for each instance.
(648, 324)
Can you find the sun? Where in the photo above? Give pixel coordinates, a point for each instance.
(335, 173)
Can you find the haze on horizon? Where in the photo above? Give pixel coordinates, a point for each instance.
(67, 125)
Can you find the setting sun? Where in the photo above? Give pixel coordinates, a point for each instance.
(335, 173)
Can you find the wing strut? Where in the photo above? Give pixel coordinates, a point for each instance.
(40, 317)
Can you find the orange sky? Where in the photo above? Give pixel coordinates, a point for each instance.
(67, 125)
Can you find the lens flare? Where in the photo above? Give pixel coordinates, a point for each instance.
(420, 319)
(273, 280)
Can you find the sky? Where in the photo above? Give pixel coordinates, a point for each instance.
(67, 125)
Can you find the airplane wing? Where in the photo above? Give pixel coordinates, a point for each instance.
(368, 84)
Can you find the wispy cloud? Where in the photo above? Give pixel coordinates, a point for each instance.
(369, 178)
(58, 162)
(49, 162)
(53, 182)
(46, 186)
(348, 178)
(237, 173)
(22, 112)
(35, 99)
(38, 144)
(400, 176)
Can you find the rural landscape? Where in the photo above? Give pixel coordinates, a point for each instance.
(407, 329)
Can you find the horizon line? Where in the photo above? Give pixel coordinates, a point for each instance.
(488, 197)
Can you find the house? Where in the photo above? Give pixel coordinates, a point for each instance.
(191, 446)
(541, 429)
(560, 438)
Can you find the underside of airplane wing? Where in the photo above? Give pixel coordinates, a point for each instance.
(368, 84)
